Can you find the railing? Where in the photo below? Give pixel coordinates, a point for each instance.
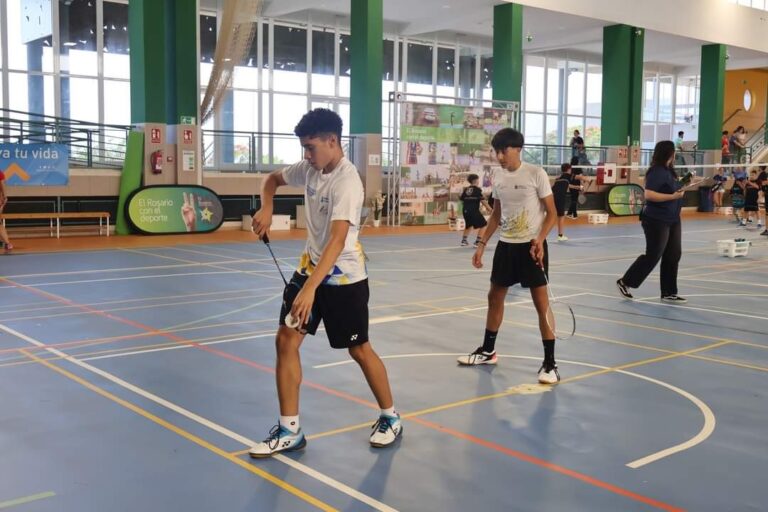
(89, 144)
(554, 155)
(756, 143)
(243, 151)
(733, 114)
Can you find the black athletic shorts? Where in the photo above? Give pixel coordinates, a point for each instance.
(560, 205)
(512, 264)
(474, 220)
(343, 310)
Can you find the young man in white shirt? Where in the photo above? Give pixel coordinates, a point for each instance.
(331, 282)
(525, 210)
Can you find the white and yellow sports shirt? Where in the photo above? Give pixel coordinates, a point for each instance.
(520, 193)
(337, 195)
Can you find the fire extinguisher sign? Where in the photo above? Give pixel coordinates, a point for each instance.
(155, 136)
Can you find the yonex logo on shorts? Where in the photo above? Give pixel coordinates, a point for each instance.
(353, 338)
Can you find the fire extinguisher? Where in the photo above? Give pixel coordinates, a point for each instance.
(600, 175)
(156, 161)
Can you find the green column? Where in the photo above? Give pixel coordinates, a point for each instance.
(163, 38)
(184, 96)
(147, 37)
(622, 85)
(712, 95)
(507, 52)
(367, 53)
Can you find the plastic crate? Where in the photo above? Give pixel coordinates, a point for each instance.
(598, 218)
(733, 248)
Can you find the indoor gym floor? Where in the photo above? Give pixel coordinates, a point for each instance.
(134, 378)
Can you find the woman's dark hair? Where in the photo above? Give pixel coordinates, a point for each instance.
(319, 122)
(507, 138)
(662, 153)
(565, 168)
(472, 177)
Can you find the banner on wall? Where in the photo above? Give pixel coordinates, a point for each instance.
(626, 200)
(174, 209)
(35, 165)
(440, 145)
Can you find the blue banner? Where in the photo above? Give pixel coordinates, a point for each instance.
(43, 165)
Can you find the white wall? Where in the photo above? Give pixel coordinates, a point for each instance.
(713, 21)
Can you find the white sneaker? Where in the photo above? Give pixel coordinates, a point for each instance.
(673, 299)
(478, 357)
(386, 430)
(280, 440)
(548, 374)
(562, 238)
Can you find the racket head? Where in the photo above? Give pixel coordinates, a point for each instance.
(582, 198)
(561, 319)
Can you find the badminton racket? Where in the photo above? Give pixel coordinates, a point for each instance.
(560, 317)
(290, 321)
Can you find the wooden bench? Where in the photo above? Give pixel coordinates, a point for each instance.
(54, 219)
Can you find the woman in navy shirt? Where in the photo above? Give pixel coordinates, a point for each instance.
(661, 223)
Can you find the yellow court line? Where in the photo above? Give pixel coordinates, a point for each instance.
(216, 265)
(726, 362)
(672, 331)
(17, 361)
(357, 426)
(26, 499)
(146, 306)
(187, 435)
(133, 348)
(47, 304)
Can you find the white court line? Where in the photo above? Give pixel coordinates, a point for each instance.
(335, 484)
(373, 321)
(647, 300)
(704, 433)
(226, 313)
(180, 346)
(57, 283)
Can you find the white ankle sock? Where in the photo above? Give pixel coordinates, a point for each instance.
(290, 422)
(389, 412)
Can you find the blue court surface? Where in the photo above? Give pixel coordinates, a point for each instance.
(136, 379)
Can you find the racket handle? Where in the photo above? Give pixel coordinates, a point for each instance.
(265, 238)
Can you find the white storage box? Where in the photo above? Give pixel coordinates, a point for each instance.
(598, 218)
(247, 223)
(726, 210)
(456, 224)
(281, 222)
(732, 248)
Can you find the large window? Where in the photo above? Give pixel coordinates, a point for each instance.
(66, 81)
(290, 59)
(670, 105)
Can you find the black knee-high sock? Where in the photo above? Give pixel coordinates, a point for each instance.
(489, 341)
(549, 351)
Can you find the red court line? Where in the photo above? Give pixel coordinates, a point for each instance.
(549, 465)
(440, 428)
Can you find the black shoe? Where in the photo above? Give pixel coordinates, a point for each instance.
(765, 232)
(623, 289)
(673, 299)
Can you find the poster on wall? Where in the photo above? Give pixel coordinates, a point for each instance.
(41, 165)
(626, 200)
(174, 209)
(440, 145)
